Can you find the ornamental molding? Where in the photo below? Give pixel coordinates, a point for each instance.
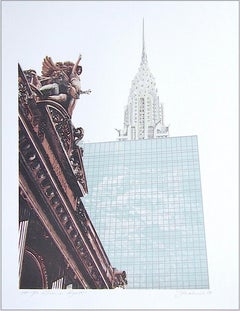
(59, 209)
(39, 114)
(39, 261)
(52, 161)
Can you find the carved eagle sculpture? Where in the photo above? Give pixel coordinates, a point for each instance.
(48, 67)
(60, 72)
(60, 82)
(65, 74)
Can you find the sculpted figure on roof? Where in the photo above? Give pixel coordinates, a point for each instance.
(59, 82)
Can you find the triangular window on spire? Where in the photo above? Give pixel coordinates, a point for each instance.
(144, 125)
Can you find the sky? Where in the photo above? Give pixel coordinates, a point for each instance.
(192, 49)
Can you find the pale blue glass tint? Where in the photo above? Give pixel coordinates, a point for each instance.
(145, 202)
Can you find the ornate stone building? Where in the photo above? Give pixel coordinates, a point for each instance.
(58, 245)
(143, 115)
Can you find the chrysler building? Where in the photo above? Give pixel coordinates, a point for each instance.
(145, 196)
(143, 116)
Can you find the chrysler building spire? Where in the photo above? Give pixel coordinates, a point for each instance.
(144, 55)
(143, 116)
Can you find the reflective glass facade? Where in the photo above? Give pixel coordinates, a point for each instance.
(145, 202)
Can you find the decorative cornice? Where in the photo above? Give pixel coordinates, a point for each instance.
(77, 235)
(48, 146)
(40, 114)
(63, 127)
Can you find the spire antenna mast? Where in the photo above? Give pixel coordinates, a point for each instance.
(143, 39)
(144, 56)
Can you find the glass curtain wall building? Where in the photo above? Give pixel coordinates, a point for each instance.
(146, 205)
(145, 196)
